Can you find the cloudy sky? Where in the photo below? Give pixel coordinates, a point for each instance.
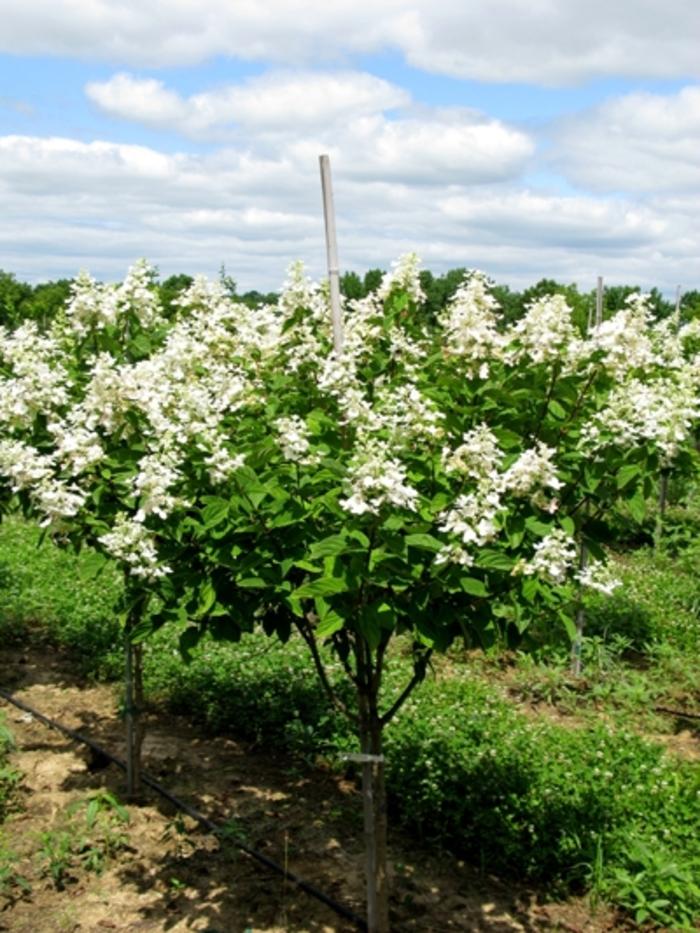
(527, 138)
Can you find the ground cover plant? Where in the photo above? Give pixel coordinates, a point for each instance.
(429, 481)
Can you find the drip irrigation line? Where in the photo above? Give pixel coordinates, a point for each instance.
(200, 818)
(681, 714)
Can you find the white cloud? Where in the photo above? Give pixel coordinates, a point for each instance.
(371, 127)
(538, 41)
(70, 205)
(275, 102)
(639, 142)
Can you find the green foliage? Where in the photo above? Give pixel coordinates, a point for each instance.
(87, 837)
(10, 777)
(657, 887)
(72, 596)
(12, 882)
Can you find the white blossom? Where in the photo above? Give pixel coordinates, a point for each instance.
(545, 331)
(130, 541)
(599, 577)
(470, 323)
(531, 474)
(377, 478)
(404, 276)
(293, 438)
(555, 555)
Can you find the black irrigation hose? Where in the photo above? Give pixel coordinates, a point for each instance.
(204, 821)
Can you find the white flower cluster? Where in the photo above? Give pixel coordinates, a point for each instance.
(36, 384)
(94, 306)
(404, 276)
(222, 465)
(624, 340)
(599, 577)
(375, 479)
(30, 471)
(23, 465)
(478, 457)
(546, 330)
(662, 412)
(129, 541)
(472, 518)
(554, 557)
(406, 414)
(470, 323)
(293, 438)
(157, 474)
(533, 473)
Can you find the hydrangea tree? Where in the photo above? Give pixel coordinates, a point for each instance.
(431, 482)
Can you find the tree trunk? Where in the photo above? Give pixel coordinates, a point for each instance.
(133, 707)
(375, 817)
(661, 514)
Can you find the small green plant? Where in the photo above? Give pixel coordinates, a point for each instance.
(10, 777)
(91, 834)
(656, 889)
(12, 883)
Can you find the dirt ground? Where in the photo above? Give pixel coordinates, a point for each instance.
(172, 876)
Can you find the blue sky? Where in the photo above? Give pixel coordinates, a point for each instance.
(527, 139)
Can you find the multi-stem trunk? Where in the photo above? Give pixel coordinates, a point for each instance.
(133, 701)
(373, 791)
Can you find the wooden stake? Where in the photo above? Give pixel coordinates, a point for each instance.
(599, 302)
(332, 252)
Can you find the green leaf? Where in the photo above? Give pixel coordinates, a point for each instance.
(330, 624)
(489, 559)
(308, 566)
(331, 546)
(189, 639)
(473, 586)
(530, 587)
(557, 409)
(638, 507)
(626, 474)
(423, 542)
(215, 511)
(252, 583)
(568, 525)
(325, 586)
(207, 598)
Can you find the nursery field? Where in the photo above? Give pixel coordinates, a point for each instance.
(526, 799)
(406, 593)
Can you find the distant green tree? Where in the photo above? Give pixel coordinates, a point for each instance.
(690, 305)
(46, 300)
(255, 298)
(372, 280)
(171, 289)
(13, 294)
(351, 286)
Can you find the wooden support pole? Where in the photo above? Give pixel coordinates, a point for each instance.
(332, 252)
(599, 302)
(577, 647)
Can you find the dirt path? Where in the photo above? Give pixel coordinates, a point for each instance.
(173, 877)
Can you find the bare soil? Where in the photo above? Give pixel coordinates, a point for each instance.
(172, 876)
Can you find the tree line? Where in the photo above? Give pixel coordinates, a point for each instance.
(20, 301)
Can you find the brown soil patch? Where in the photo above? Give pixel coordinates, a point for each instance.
(174, 877)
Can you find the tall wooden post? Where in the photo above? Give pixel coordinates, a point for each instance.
(332, 252)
